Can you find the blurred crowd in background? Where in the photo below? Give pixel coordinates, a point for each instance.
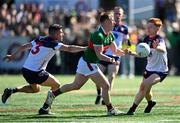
(30, 20)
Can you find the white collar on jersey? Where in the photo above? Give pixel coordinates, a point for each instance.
(102, 29)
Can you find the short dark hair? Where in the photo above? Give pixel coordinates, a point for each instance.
(54, 28)
(104, 16)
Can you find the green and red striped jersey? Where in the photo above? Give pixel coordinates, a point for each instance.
(97, 38)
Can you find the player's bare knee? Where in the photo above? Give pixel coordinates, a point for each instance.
(57, 85)
(36, 90)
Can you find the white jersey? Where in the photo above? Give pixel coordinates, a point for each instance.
(156, 61)
(120, 33)
(43, 49)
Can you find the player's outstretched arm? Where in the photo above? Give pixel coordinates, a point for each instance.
(99, 53)
(72, 48)
(130, 52)
(115, 50)
(22, 48)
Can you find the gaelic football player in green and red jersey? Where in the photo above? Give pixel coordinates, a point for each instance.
(120, 32)
(88, 68)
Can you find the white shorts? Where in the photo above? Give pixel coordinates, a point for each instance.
(86, 68)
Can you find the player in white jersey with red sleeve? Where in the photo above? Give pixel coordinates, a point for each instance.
(157, 66)
(42, 49)
(120, 32)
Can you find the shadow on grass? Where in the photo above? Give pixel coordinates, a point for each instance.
(82, 117)
(72, 118)
(65, 117)
(50, 118)
(75, 116)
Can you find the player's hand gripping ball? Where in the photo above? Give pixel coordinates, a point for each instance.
(142, 50)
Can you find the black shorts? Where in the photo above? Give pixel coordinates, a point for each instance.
(162, 75)
(33, 77)
(105, 63)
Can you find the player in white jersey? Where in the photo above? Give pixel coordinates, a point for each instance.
(120, 32)
(34, 71)
(157, 67)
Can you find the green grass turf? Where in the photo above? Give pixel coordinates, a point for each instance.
(78, 106)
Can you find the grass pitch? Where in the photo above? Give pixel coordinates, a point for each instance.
(78, 106)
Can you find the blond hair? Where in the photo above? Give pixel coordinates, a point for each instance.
(156, 21)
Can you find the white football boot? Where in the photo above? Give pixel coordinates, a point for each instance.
(114, 112)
